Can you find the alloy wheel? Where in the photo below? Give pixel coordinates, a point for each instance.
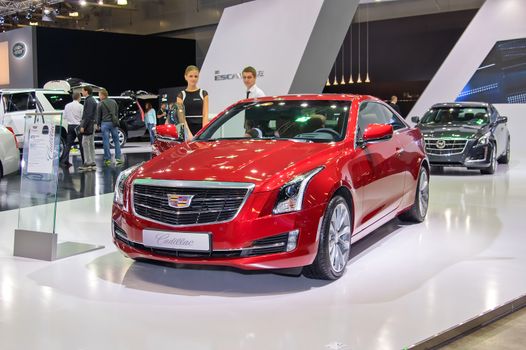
(423, 193)
(339, 237)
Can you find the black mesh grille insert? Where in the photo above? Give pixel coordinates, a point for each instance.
(208, 205)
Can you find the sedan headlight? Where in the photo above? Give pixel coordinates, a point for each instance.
(484, 140)
(290, 197)
(119, 185)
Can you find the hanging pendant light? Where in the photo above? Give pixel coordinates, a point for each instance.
(328, 83)
(350, 43)
(359, 80)
(367, 80)
(335, 82)
(342, 82)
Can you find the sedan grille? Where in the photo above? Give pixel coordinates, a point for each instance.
(206, 205)
(445, 147)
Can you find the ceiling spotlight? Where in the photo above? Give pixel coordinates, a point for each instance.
(29, 15)
(122, 2)
(46, 11)
(73, 14)
(101, 2)
(2, 20)
(83, 2)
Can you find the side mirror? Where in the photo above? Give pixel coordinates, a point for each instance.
(502, 120)
(415, 119)
(377, 132)
(167, 132)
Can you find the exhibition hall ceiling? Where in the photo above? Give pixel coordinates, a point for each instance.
(166, 16)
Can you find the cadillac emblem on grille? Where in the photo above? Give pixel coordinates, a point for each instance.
(179, 201)
(441, 144)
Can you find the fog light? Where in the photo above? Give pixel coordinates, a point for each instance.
(292, 241)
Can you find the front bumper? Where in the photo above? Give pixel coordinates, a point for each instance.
(247, 242)
(472, 156)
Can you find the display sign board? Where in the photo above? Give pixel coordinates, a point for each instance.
(41, 148)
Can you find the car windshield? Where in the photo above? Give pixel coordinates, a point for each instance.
(308, 120)
(456, 115)
(58, 101)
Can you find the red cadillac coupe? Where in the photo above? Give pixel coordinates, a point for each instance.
(274, 183)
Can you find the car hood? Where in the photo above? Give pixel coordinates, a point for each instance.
(452, 131)
(265, 163)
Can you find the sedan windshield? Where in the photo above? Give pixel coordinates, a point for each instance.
(310, 120)
(456, 115)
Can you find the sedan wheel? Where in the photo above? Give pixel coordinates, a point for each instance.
(335, 242)
(418, 212)
(493, 164)
(122, 138)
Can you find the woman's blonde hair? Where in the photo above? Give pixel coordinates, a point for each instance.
(190, 69)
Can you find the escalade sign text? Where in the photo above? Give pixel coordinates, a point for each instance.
(218, 76)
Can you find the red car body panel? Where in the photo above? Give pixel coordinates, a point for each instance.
(378, 179)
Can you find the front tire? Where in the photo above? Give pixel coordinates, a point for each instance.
(335, 242)
(505, 158)
(493, 163)
(418, 212)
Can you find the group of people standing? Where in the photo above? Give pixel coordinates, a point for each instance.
(190, 109)
(192, 104)
(84, 120)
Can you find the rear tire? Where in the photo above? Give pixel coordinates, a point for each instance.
(418, 212)
(122, 138)
(335, 242)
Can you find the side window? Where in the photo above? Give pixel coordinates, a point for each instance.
(18, 102)
(391, 118)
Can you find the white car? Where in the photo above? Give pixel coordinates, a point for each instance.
(9, 153)
(16, 103)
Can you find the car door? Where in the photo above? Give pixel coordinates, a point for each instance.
(378, 172)
(17, 105)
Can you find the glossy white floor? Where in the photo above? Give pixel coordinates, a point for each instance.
(403, 284)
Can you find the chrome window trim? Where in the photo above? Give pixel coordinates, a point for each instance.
(197, 184)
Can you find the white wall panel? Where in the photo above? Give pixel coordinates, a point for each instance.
(279, 38)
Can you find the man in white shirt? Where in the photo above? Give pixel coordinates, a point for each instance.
(249, 79)
(72, 114)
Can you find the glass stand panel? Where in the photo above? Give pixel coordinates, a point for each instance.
(36, 237)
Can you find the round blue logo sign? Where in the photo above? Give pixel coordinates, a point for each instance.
(19, 50)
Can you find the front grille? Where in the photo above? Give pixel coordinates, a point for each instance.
(450, 146)
(208, 205)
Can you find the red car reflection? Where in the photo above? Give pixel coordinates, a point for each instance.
(277, 182)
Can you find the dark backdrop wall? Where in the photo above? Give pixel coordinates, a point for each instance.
(117, 62)
(404, 54)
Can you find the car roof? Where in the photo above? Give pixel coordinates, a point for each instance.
(321, 97)
(461, 104)
(31, 90)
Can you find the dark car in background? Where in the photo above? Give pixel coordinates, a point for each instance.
(468, 134)
(131, 120)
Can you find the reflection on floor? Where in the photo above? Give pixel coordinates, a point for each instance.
(73, 183)
(403, 284)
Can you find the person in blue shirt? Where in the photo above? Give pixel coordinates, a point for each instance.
(150, 119)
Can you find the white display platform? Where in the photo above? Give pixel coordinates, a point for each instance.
(404, 284)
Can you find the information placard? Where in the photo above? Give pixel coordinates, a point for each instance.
(41, 148)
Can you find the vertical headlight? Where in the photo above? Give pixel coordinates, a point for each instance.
(119, 185)
(290, 197)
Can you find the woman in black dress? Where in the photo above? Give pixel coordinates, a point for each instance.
(195, 102)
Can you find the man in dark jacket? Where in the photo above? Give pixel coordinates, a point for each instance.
(108, 120)
(87, 129)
